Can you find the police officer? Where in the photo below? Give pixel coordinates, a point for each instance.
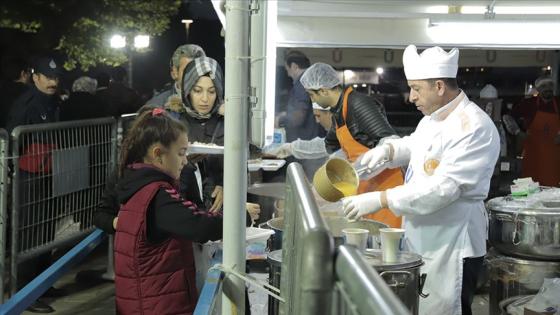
(40, 103)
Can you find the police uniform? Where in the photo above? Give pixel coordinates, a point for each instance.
(34, 106)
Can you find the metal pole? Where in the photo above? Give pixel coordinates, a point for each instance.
(129, 74)
(235, 154)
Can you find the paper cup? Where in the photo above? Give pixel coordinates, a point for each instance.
(391, 243)
(356, 237)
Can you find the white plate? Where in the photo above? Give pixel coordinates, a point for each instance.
(200, 148)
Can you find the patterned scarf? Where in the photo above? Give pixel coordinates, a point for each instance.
(202, 66)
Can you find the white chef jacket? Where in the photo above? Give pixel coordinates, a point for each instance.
(444, 215)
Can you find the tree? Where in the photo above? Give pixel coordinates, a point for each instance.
(83, 27)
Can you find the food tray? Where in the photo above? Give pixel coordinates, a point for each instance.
(265, 165)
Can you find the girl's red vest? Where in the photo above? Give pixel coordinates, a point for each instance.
(151, 278)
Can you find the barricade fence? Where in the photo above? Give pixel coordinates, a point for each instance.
(4, 194)
(314, 278)
(59, 172)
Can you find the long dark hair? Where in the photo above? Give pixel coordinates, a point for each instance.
(151, 126)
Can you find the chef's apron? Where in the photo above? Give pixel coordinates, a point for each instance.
(541, 156)
(443, 265)
(387, 179)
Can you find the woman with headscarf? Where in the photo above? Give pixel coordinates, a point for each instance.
(202, 93)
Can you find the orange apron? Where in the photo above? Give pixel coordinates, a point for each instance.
(385, 180)
(541, 156)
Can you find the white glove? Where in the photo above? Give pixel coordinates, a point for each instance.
(280, 151)
(360, 205)
(375, 159)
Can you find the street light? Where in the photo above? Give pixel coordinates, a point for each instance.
(118, 41)
(140, 42)
(187, 26)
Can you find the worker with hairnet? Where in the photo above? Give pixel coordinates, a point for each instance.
(539, 118)
(305, 149)
(359, 125)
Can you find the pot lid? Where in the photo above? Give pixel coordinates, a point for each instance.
(405, 260)
(275, 256)
(531, 205)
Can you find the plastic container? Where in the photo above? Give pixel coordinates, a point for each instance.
(257, 239)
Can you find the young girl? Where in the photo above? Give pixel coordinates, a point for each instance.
(154, 266)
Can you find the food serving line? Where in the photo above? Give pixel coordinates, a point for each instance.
(304, 223)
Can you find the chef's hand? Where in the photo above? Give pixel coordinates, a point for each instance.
(360, 205)
(254, 210)
(375, 157)
(218, 196)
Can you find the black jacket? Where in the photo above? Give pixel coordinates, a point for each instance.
(33, 107)
(108, 206)
(10, 91)
(83, 105)
(168, 215)
(209, 130)
(365, 119)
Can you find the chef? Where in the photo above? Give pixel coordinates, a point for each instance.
(359, 125)
(450, 158)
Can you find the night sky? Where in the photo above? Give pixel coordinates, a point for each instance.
(151, 69)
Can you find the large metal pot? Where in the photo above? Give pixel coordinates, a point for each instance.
(511, 277)
(516, 300)
(528, 232)
(336, 224)
(403, 276)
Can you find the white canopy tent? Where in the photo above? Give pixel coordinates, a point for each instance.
(348, 24)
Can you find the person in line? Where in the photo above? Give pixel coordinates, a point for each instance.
(450, 158)
(360, 124)
(154, 264)
(202, 94)
(16, 76)
(83, 103)
(181, 57)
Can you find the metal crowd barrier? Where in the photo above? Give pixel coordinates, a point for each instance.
(359, 289)
(33, 290)
(307, 251)
(59, 174)
(4, 191)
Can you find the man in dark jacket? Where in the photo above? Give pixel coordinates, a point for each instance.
(360, 123)
(39, 104)
(16, 79)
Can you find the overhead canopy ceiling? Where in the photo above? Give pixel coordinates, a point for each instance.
(396, 24)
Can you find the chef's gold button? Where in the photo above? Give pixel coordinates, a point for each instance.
(430, 166)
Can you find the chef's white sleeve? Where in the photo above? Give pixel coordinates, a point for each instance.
(401, 151)
(466, 163)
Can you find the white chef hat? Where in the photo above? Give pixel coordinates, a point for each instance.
(488, 91)
(432, 63)
(319, 107)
